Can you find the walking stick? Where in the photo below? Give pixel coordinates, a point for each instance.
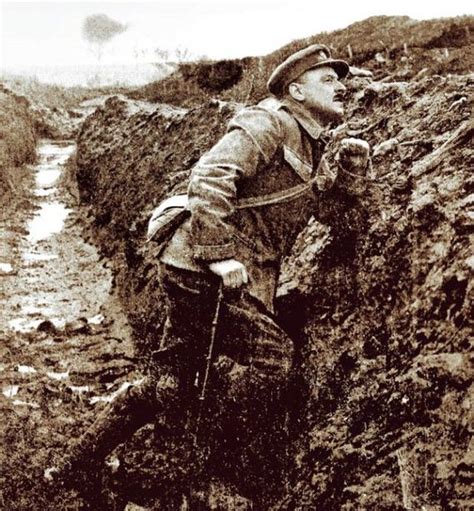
(210, 353)
(202, 394)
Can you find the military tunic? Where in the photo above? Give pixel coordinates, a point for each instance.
(267, 149)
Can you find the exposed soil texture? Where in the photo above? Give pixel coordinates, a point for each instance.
(380, 315)
(65, 346)
(378, 297)
(17, 140)
(398, 46)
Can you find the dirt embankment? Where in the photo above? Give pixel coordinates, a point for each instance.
(138, 141)
(395, 47)
(55, 112)
(65, 346)
(380, 314)
(17, 141)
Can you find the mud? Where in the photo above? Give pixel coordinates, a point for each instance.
(377, 299)
(391, 47)
(65, 344)
(17, 142)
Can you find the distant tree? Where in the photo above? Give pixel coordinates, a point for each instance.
(99, 29)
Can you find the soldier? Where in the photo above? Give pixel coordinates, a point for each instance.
(249, 197)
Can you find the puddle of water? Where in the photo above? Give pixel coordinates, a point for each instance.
(58, 376)
(47, 176)
(98, 319)
(52, 158)
(42, 192)
(18, 402)
(49, 220)
(25, 369)
(6, 268)
(10, 391)
(56, 152)
(47, 149)
(25, 325)
(38, 256)
(80, 389)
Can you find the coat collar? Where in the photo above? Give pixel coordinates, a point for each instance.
(297, 150)
(303, 117)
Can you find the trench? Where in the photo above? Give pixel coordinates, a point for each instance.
(54, 285)
(65, 343)
(52, 274)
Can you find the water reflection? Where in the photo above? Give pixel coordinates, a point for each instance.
(44, 192)
(49, 220)
(52, 214)
(46, 176)
(26, 324)
(38, 256)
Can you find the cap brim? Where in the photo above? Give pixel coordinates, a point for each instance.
(277, 80)
(340, 66)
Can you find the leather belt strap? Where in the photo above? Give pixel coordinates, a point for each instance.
(275, 197)
(282, 196)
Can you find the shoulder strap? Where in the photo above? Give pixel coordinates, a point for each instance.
(283, 195)
(275, 197)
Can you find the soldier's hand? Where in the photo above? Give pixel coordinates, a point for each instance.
(353, 154)
(232, 272)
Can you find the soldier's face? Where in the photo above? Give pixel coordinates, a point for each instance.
(321, 93)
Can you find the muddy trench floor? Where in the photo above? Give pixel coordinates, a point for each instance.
(65, 345)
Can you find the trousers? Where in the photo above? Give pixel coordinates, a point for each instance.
(249, 367)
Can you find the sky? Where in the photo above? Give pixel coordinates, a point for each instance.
(49, 33)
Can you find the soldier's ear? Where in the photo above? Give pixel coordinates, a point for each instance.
(295, 91)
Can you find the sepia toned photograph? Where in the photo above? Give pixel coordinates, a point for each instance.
(236, 255)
